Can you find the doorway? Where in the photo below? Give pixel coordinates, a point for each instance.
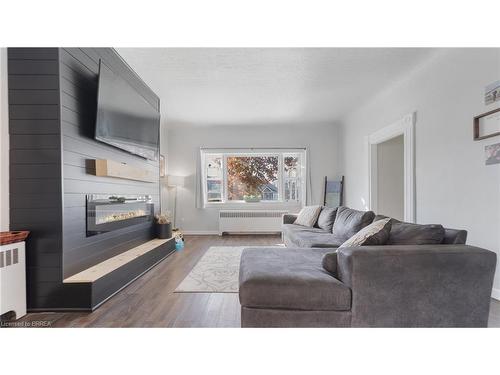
(391, 170)
(390, 178)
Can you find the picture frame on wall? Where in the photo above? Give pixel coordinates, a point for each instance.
(492, 154)
(492, 93)
(163, 166)
(487, 125)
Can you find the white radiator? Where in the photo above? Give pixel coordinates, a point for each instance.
(250, 221)
(13, 279)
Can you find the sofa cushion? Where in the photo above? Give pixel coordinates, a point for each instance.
(380, 217)
(321, 240)
(329, 263)
(308, 216)
(278, 278)
(454, 236)
(403, 233)
(348, 222)
(299, 236)
(326, 218)
(293, 228)
(377, 233)
(415, 234)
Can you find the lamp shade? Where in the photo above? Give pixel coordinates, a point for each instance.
(176, 180)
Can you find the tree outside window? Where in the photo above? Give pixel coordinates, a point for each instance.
(252, 176)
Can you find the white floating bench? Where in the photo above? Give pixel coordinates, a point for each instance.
(101, 269)
(105, 279)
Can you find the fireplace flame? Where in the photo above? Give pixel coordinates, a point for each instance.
(120, 216)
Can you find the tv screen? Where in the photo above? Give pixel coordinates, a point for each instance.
(124, 118)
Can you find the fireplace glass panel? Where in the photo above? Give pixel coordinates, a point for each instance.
(107, 213)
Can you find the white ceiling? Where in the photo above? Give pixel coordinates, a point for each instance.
(242, 86)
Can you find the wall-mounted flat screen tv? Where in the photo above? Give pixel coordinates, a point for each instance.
(124, 118)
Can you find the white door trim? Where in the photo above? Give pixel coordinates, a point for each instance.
(406, 127)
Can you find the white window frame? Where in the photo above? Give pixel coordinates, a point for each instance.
(281, 153)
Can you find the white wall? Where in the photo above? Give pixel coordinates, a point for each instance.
(390, 177)
(163, 181)
(453, 185)
(184, 144)
(4, 143)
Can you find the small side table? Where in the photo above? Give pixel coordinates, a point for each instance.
(13, 279)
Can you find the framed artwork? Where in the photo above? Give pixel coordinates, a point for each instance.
(487, 125)
(163, 166)
(334, 192)
(492, 154)
(492, 93)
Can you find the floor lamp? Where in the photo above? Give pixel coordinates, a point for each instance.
(175, 182)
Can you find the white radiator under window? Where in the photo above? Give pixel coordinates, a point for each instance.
(250, 221)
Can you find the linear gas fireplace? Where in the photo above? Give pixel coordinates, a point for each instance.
(106, 213)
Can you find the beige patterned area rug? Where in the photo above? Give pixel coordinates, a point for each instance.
(216, 272)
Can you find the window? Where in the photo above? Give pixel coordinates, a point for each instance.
(213, 168)
(253, 176)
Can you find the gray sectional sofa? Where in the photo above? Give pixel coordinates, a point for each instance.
(425, 276)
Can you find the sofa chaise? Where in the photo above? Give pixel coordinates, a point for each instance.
(426, 276)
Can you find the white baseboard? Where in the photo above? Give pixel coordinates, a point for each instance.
(215, 232)
(495, 293)
(200, 232)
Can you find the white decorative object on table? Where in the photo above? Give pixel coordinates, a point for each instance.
(13, 279)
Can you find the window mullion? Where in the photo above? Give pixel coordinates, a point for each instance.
(281, 166)
(303, 178)
(224, 178)
(204, 178)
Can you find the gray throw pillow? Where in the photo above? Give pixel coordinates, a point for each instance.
(327, 218)
(403, 233)
(308, 216)
(329, 263)
(380, 217)
(415, 234)
(375, 234)
(348, 222)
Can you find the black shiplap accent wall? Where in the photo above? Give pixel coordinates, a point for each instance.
(35, 165)
(52, 106)
(79, 69)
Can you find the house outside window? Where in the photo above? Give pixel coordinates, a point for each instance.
(253, 177)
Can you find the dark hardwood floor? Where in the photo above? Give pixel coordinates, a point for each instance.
(150, 301)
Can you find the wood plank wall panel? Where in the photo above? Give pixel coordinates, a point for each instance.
(35, 165)
(52, 108)
(79, 76)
